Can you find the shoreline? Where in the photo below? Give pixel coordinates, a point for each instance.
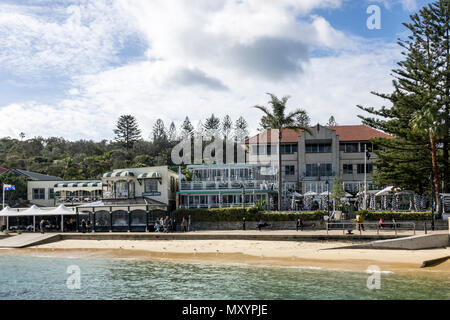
(250, 253)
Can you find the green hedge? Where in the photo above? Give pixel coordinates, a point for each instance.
(237, 214)
(398, 216)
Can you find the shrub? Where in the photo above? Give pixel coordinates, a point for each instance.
(250, 214)
(398, 216)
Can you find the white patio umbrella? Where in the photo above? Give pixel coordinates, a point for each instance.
(310, 194)
(296, 194)
(32, 211)
(8, 212)
(62, 211)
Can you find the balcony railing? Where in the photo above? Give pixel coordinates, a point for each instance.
(217, 205)
(228, 185)
(118, 195)
(76, 199)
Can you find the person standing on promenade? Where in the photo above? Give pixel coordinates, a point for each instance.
(189, 223)
(88, 225)
(299, 225)
(42, 226)
(243, 223)
(184, 224)
(83, 226)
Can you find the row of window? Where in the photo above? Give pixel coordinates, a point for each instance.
(348, 168)
(318, 148)
(272, 149)
(316, 169)
(313, 148)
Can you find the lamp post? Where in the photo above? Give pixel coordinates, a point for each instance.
(243, 197)
(328, 195)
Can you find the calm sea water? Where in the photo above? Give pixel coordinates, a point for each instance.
(45, 278)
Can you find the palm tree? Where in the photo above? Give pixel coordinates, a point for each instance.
(277, 119)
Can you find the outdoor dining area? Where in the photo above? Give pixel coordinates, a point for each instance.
(56, 219)
(389, 198)
(138, 218)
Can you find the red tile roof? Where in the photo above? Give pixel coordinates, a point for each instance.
(358, 133)
(345, 133)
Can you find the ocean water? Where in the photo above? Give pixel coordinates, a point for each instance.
(47, 278)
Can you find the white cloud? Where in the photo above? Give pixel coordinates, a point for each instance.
(203, 57)
(82, 37)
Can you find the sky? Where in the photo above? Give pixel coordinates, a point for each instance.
(70, 68)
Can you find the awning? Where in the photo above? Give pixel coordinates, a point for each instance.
(80, 185)
(149, 175)
(118, 174)
(62, 210)
(8, 212)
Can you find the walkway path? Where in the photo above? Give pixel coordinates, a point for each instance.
(28, 239)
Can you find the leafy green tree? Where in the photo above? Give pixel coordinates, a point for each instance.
(332, 122)
(303, 119)
(338, 189)
(159, 132)
(276, 118)
(240, 129)
(172, 133)
(18, 195)
(127, 131)
(227, 126)
(211, 126)
(187, 129)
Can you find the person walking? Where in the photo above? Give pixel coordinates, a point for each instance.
(184, 224)
(299, 225)
(88, 225)
(190, 224)
(42, 226)
(83, 226)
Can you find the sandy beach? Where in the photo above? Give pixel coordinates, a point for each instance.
(263, 253)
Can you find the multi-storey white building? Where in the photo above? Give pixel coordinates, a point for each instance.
(311, 161)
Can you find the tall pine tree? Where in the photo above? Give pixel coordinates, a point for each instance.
(127, 131)
(418, 118)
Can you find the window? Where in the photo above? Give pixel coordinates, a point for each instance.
(289, 170)
(326, 169)
(264, 149)
(151, 185)
(360, 168)
(349, 147)
(347, 168)
(318, 148)
(288, 148)
(51, 193)
(38, 194)
(312, 170)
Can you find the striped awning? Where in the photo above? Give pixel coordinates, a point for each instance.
(149, 175)
(118, 174)
(79, 185)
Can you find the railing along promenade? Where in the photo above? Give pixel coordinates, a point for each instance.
(350, 226)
